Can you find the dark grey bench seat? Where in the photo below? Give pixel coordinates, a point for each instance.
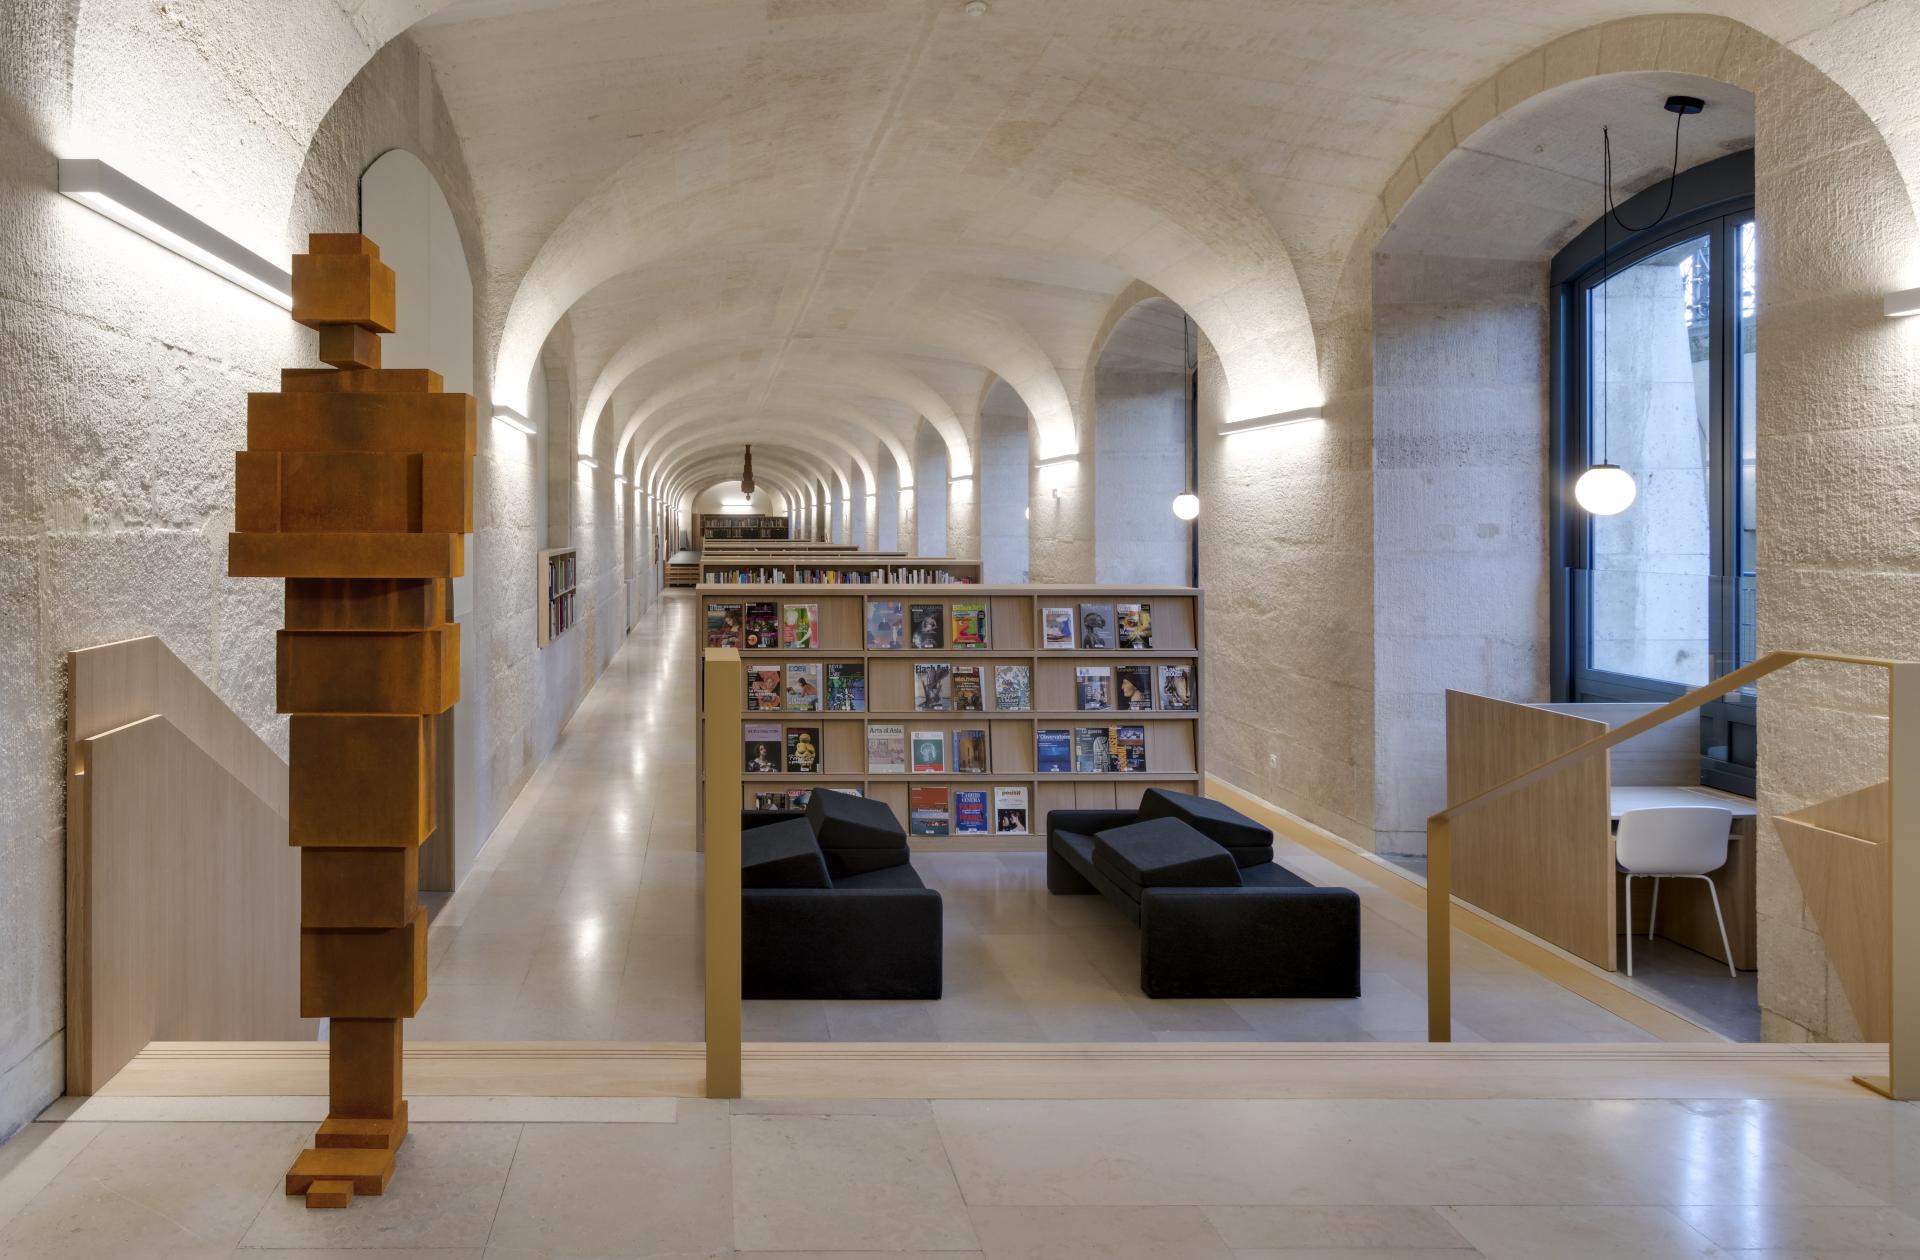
(1271, 935)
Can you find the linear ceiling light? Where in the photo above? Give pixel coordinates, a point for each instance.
(1278, 419)
(1905, 302)
(513, 420)
(100, 187)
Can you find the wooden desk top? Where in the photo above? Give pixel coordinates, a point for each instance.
(1626, 797)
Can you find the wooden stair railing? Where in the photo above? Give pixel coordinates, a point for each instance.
(1901, 796)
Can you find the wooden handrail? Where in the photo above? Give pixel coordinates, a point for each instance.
(1440, 825)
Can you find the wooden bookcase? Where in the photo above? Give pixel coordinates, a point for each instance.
(833, 569)
(557, 573)
(1175, 753)
(712, 525)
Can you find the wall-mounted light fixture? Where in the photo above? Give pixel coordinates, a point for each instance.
(1905, 302)
(1186, 505)
(957, 480)
(588, 461)
(513, 420)
(1279, 419)
(1057, 461)
(131, 204)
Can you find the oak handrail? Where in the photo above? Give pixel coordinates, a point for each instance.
(1440, 825)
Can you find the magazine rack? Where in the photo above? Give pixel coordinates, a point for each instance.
(1170, 743)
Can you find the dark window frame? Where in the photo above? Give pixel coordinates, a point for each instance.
(1714, 199)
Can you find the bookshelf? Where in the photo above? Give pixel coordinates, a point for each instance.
(724, 526)
(557, 573)
(1171, 745)
(833, 569)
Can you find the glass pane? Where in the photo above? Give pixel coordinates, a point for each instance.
(1746, 552)
(1649, 410)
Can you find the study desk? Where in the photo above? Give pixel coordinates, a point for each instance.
(1686, 911)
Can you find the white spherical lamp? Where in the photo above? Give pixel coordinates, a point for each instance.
(1605, 490)
(1186, 506)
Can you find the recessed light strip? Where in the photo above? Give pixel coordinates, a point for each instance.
(1277, 420)
(101, 188)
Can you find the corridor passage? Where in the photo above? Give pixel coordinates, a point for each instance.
(581, 923)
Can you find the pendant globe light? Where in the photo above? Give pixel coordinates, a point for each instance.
(1606, 489)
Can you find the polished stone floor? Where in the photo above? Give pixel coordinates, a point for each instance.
(580, 921)
(1027, 1180)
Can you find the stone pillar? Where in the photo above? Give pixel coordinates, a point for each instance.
(356, 487)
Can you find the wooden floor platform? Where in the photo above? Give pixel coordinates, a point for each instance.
(1034, 1070)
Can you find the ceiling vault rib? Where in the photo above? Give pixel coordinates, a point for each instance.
(856, 186)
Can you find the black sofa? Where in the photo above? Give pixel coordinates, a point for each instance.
(831, 906)
(1218, 916)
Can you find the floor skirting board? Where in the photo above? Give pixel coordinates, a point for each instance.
(1034, 1070)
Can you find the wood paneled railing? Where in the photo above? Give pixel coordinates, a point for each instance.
(1902, 825)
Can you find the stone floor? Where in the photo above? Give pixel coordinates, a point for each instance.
(1025, 1180)
(580, 919)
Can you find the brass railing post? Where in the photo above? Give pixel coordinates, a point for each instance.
(723, 698)
(1903, 872)
(1439, 930)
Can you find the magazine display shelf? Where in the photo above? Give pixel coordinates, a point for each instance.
(1174, 748)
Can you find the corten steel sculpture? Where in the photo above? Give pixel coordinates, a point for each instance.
(355, 487)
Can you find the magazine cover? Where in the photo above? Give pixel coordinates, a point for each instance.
(803, 749)
(847, 686)
(932, 686)
(969, 812)
(796, 625)
(886, 748)
(967, 695)
(803, 687)
(970, 751)
(1090, 750)
(1096, 626)
(1010, 811)
(723, 625)
(1127, 749)
(969, 625)
(763, 687)
(1012, 687)
(798, 798)
(1092, 687)
(1056, 625)
(1133, 686)
(772, 800)
(1176, 687)
(1136, 625)
(929, 622)
(762, 748)
(886, 625)
(1053, 750)
(763, 626)
(927, 811)
(929, 752)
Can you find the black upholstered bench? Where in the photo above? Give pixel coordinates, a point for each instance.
(1218, 916)
(831, 907)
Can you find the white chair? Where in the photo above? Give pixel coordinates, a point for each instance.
(1673, 842)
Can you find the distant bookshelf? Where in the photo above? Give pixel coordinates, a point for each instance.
(558, 573)
(834, 569)
(974, 696)
(723, 526)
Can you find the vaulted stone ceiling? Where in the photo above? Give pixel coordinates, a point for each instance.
(838, 218)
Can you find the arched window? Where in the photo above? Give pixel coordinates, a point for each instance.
(1655, 373)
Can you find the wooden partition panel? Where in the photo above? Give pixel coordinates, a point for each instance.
(180, 886)
(1540, 858)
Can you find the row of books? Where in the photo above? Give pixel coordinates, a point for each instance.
(902, 576)
(944, 687)
(934, 811)
(769, 748)
(560, 574)
(893, 626)
(559, 615)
